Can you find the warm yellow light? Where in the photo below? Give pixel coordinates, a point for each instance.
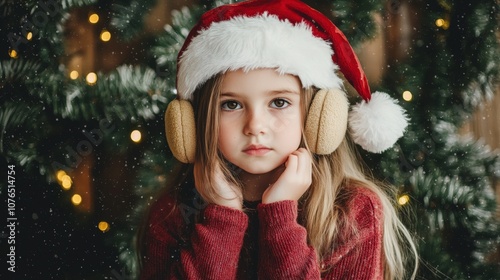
(74, 75)
(439, 22)
(442, 23)
(446, 24)
(29, 36)
(13, 53)
(407, 96)
(66, 182)
(91, 78)
(136, 136)
(94, 18)
(103, 226)
(402, 200)
(76, 199)
(105, 35)
(60, 174)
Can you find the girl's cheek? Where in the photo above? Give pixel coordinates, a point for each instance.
(230, 117)
(279, 124)
(285, 119)
(226, 121)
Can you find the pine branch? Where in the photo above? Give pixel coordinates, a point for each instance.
(127, 93)
(35, 28)
(472, 160)
(6, 8)
(131, 91)
(155, 166)
(459, 218)
(444, 198)
(20, 132)
(13, 70)
(168, 44)
(128, 19)
(355, 18)
(64, 4)
(11, 115)
(472, 41)
(68, 4)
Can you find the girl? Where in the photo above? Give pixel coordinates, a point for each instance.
(271, 187)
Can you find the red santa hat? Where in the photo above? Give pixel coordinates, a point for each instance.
(292, 38)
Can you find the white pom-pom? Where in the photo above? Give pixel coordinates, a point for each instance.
(376, 125)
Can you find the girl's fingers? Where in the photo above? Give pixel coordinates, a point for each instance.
(295, 179)
(304, 164)
(302, 156)
(292, 163)
(298, 166)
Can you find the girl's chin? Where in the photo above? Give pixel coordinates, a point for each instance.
(255, 171)
(262, 171)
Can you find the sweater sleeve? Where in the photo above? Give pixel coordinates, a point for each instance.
(211, 252)
(358, 253)
(285, 253)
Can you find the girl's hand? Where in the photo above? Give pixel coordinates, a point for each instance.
(226, 194)
(295, 179)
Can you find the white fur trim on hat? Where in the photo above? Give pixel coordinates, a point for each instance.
(378, 124)
(262, 41)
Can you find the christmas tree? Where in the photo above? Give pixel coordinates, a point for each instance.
(87, 144)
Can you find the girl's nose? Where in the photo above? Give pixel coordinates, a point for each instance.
(255, 123)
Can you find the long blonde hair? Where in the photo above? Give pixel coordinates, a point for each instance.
(324, 211)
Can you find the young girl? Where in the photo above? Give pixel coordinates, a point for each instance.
(270, 187)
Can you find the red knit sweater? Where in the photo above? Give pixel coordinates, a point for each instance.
(262, 243)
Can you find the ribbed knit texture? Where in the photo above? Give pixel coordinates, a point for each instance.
(224, 244)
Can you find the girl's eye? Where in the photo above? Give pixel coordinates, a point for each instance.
(279, 103)
(230, 105)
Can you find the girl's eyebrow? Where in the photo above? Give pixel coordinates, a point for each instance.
(230, 94)
(271, 92)
(283, 91)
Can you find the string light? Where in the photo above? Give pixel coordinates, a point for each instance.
(91, 78)
(66, 182)
(444, 24)
(407, 95)
(29, 36)
(60, 174)
(74, 75)
(13, 53)
(94, 18)
(105, 35)
(136, 136)
(76, 199)
(103, 226)
(404, 199)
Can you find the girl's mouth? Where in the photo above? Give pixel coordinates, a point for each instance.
(256, 150)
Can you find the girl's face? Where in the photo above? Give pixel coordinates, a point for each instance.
(260, 119)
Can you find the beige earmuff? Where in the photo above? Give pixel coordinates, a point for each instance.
(326, 125)
(326, 122)
(180, 130)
